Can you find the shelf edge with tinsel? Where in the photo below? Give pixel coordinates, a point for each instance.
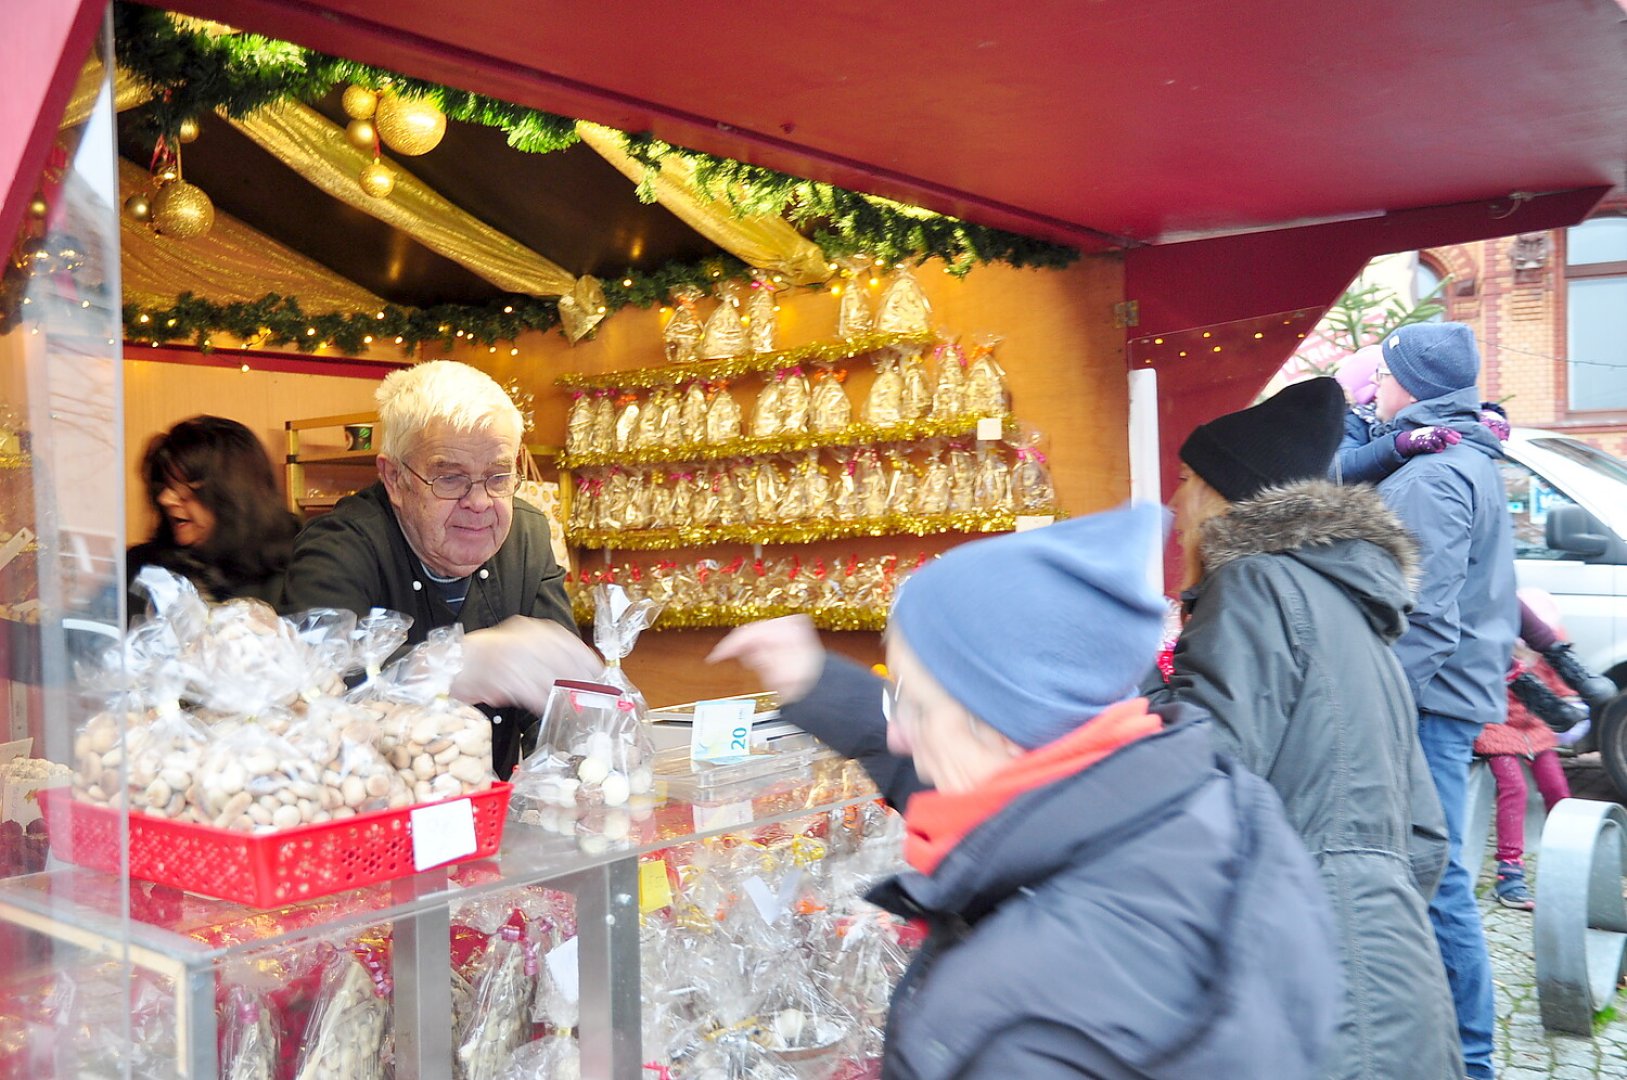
(827, 352)
(969, 521)
(854, 435)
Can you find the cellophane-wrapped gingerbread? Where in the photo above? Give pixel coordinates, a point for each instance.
(904, 306)
(724, 335)
(683, 331)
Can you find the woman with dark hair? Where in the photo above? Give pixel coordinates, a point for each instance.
(221, 521)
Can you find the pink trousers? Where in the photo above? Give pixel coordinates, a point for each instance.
(1511, 797)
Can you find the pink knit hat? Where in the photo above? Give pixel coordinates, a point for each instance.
(1355, 374)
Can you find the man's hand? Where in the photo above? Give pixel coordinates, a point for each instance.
(784, 653)
(517, 661)
(1425, 440)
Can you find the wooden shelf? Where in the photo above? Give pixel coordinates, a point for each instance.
(335, 457)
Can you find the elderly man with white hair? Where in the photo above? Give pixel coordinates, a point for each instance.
(441, 537)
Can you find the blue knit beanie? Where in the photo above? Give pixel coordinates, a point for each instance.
(1431, 360)
(1038, 631)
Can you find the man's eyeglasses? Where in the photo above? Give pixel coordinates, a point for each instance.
(454, 486)
(1380, 373)
(889, 701)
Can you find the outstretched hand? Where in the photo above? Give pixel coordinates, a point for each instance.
(517, 661)
(1425, 440)
(785, 654)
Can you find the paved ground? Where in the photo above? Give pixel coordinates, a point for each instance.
(1524, 1050)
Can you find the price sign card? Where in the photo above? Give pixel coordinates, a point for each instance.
(442, 832)
(722, 730)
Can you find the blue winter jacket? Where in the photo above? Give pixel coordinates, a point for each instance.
(1463, 624)
(1150, 916)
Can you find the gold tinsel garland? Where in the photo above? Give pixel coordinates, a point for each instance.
(709, 370)
(970, 521)
(859, 434)
(707, 616)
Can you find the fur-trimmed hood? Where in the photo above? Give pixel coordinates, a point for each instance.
(1346, 534)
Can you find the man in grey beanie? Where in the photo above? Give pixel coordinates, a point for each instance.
(1463, 624)
(1107, 895)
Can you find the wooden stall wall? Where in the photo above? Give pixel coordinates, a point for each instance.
(1065, 364)
(157, 394)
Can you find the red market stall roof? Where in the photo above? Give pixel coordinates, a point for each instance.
(1138, 125)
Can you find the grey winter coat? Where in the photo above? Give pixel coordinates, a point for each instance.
(1287, 646)
(356, 558)
(1465, 617)
(1152, 916)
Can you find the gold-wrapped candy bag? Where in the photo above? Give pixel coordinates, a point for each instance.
(845, 494)
(602, 440)
(904, 307)
(883, 405)
(830, 410)
(962, 480)
(722, 416)
(915, 399)
(901, 484)
(992, 490)
(742, 474)
(703, 507)
(669, 430)
(932, 494)
(579, 422)
(1031, 487)
(986, 393)
(770, 487)
(872, 484)
(795, 400)
(627, 423)
(855, 316)
(636, 514)
(765, 416)
(692, 414)
(949, 392)
(613, 503)
(725, 334)
(660, 501)
(682, 333)
(760, 309)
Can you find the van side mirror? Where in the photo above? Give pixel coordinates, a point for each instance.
(1574, 531)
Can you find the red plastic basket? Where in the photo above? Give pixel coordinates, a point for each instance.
(265, 870)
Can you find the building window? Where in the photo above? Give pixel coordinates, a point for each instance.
(1426, 286)
(1596, 314)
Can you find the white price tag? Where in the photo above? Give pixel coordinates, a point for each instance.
(563, 969)
(766, 900)
(722, 730)
(1034, 521)
(442, 832)
(732, 815)
(990, 428)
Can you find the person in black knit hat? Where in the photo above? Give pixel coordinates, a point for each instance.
(1297, 588)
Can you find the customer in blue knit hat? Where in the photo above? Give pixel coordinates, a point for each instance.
(1461, 629)
(1106, 895)
(1297, 588)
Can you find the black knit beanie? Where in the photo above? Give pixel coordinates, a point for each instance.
(1289, 436)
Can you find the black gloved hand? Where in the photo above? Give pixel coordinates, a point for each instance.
(1544, 704)
(1595, 689)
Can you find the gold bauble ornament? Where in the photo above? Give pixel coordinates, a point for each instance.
(409, 125)
(167, 175)
(362, 135)
(139, 206)
(377, 180)
(188, 131)
(359, 102)
(182, 211)
(37, 207)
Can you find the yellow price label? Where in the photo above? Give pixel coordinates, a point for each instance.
(654, 887)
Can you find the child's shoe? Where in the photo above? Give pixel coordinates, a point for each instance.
(1511, 890)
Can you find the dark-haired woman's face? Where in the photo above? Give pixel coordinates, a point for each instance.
(190, 521)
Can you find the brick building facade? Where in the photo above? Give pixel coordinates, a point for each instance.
(1533, 300)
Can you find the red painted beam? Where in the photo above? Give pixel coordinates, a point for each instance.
(291, 363)
(42, 49)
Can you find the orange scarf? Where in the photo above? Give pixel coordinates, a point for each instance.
(935, 822)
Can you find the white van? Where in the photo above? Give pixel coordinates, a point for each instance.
(1569, 505)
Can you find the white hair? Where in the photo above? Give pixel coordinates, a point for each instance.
(462, 397)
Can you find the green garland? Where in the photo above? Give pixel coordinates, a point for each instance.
(193, 73)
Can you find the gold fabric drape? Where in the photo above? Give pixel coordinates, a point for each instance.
(127, 93)
(234, 262)
(768, 243)
(315, 147)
